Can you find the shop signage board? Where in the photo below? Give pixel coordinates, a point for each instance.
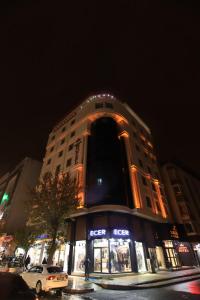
(116, 232)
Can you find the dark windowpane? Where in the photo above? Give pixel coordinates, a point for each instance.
(72, 134)
(60, 154)
(49, 161)
(70, 147)
(144, 180)
(62, 141)
(109, 105)
(98, 105)
(69, 161)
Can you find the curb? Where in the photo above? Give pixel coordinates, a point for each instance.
(77, 291)
(148, 286)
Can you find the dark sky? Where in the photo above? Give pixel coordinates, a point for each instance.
(55, 53)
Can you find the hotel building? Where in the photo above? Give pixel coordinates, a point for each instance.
(123, 222)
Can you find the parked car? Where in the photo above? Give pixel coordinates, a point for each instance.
(13, 287)
(45, 278)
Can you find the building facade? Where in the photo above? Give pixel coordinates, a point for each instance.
(14, 192)
(183, 191)
(123, 222)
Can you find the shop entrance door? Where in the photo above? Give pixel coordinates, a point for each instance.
(172, 257)
(101, 260)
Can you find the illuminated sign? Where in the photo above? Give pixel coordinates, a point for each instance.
(5, 198)
(113, 233)
(99, 232)
(183, 249)
(121, 232)
(174, 232)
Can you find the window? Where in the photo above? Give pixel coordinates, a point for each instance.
(72, 122)
(149, 170)
(52, 148)
(62, 141)
(58, 169)
(109, 105)
(140, 163)
(137, 148)
(148, 202)
(153, 187)
(72, 134)
(63, 129)
(48, 161)
(135, 134)
(189, 228)
(144, 180)
(98, 105)
(53, 138)
(70, 147)
(60, 154)
(99, 181)
(69, 162)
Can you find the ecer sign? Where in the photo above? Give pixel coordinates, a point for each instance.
(122, 232)
(99, 232)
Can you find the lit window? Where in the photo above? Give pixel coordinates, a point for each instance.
(99, 181)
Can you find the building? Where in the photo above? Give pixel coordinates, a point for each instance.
(14, 191)
(123, 223)
(183, 191)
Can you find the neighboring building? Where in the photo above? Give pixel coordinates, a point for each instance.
(123, 221)
(14, 191)
(183, 191)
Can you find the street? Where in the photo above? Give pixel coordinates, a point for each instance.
(188, 290)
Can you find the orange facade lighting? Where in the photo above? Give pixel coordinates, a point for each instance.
(135, 188)
(160, 199)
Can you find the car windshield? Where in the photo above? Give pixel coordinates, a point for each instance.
(54, 269)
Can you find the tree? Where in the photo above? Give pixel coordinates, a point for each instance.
(54, 200)
(25, 238)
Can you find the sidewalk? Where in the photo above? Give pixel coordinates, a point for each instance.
(130, 282)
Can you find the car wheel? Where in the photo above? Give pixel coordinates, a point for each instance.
(38, 287)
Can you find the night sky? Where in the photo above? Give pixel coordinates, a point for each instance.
(53, 54)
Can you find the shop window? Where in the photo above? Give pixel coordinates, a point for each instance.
(120, 256)
(140, 257)
(101, 256)
(79, 257)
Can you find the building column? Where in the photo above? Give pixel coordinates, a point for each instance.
(164, 215)
(136, 188)
(71, 246)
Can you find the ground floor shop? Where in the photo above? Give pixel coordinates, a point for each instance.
(117, 243)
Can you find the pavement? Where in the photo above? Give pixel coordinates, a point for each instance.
(133, 281)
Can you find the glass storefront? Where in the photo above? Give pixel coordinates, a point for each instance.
(120, 256)
(172, 255)
(140, 257)
(101, 256)
(160, 258)
(79, 260)
(115, 251)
